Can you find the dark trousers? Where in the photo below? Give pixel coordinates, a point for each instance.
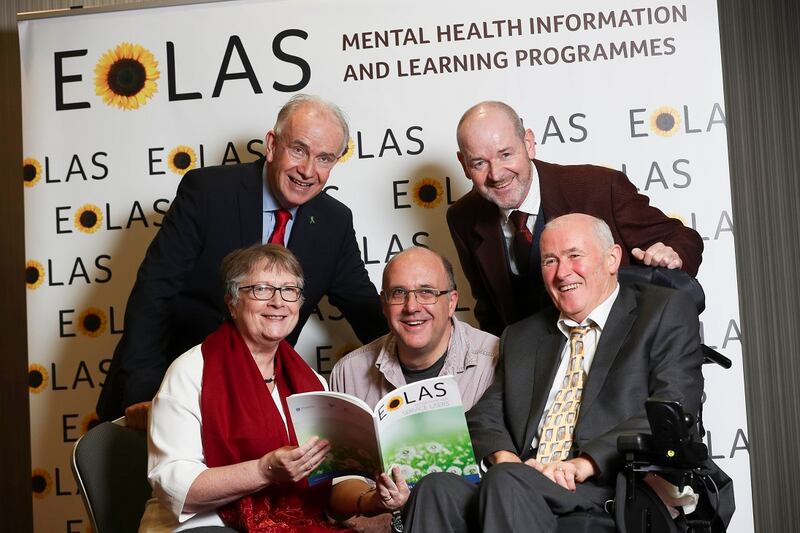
(511, 497)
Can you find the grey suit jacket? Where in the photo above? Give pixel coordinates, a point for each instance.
(649, 347)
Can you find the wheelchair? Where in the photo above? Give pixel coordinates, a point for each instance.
(672, 451)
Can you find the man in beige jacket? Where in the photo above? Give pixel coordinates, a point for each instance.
(425, 339)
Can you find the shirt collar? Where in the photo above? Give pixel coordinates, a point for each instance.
(598, 316)
(531, 202)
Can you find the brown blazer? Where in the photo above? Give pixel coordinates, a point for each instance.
(605, 193)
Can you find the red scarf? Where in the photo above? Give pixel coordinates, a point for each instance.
(241, 423)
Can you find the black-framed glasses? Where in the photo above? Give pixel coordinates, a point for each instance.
(264, 291)
(426, 296)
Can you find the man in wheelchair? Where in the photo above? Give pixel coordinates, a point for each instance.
(570, 381)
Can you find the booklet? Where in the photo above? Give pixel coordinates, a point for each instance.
(419, 427)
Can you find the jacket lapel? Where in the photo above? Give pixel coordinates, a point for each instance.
(619, 323)
(302, 239)
(491, 256)
(250, 200)
(546, 360)
(552, 197)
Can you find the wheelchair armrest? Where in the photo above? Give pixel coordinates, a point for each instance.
(638, 443)
(672, 443)
(712, 356)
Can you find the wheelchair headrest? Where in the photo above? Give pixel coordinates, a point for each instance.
(664, 277)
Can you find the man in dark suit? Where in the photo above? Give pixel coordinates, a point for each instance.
(514, 195)
(570, 380)
(177, 298)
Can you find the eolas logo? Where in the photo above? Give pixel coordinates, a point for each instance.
(127, 75)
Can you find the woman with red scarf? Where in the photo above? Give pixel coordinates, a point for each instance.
(222, 453)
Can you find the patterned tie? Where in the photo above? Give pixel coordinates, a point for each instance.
(522, 242)
(282, 216)
(555, 441)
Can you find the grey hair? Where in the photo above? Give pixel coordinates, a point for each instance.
(503, 107)
(238, 264)
(599, 227)
(446, 264)
(299, 100)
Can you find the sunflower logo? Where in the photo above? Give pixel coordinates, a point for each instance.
(92, 322)
(34, 274)
(41, 483)
(428, 193)
(665, 121)
(126, 76)
(351, 147)
(31, 171)
(37, 378)
(394, 403)
(181, 159)
(88, 218)
(89, 422)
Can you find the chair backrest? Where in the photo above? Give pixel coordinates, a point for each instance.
(110, 465)
(679, 280)
(665, 277)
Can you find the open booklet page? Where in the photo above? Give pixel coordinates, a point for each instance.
(419, 427)
(422, 429)
(347, 423)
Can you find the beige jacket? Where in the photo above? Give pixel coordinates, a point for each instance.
(373, 370)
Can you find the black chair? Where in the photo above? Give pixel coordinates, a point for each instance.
(673, 452)
(110, 466)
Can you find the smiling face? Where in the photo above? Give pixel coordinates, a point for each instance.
(263, 324)
(422, 331)
(301, 158)
(579, 271)
(495, 156)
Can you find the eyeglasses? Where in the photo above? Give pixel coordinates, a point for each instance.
(399, 296)
(262, 291)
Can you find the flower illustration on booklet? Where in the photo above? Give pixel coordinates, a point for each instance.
(419, 427)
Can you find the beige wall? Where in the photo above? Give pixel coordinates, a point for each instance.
(762, 73)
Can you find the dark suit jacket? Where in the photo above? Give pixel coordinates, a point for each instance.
(650, 346)
(607, 194)
(178, 296)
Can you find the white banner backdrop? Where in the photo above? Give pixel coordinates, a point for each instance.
(629, 87)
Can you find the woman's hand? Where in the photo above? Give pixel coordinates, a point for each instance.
(293, 463)
(391, 492)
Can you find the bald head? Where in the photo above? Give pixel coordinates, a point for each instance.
(484, 109)
(496, 153)
(415, 255)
